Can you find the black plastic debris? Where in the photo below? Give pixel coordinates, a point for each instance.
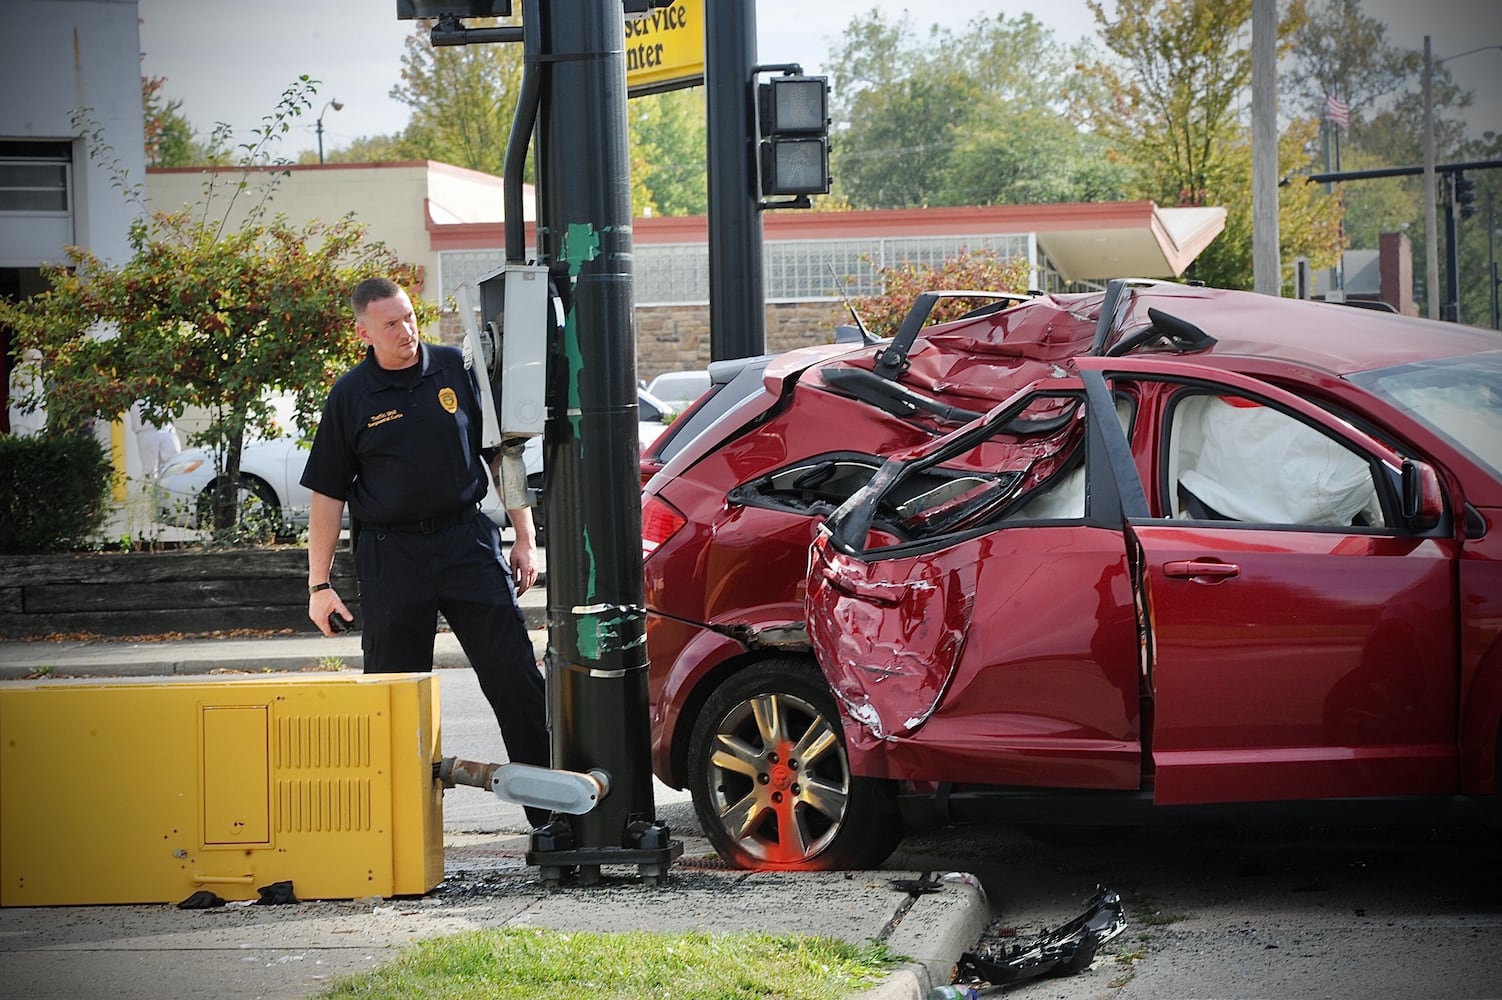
(276, 894)
(918, 886)
(203, 899)
(1061, 952)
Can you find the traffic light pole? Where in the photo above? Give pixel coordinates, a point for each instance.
(1449, 309)
(737, 285)
(1457, 204)
(574, 99)
(597, 654)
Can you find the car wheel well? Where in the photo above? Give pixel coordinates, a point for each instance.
(694, 703)
(254, 483)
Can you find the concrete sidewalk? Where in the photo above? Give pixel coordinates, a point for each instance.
(240, 952)
(290, 952)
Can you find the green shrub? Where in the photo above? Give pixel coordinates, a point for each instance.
(54, 492)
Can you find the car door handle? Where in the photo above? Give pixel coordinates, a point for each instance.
(1195, 568)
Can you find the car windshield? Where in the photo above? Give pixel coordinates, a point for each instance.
(1460, 398)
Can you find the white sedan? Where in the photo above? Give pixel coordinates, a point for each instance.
(271, 470)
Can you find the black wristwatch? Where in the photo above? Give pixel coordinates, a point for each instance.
(325, 585)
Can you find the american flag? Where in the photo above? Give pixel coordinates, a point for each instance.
(1338, 111)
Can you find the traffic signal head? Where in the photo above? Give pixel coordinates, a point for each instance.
(1465, 195)
(794, 113)
(407, 10)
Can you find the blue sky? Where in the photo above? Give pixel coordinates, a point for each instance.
(230, 61)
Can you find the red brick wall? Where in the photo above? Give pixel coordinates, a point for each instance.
(1395, 264)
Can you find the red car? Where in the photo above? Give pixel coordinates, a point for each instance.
(1162, 551)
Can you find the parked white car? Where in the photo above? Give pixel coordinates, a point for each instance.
(269, 485)
(271, 470)
(679, 390)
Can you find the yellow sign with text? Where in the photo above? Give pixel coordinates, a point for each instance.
(665, 48)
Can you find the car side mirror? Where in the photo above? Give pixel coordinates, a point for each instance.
(1423, 501)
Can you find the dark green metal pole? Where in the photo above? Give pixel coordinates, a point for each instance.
(737, 297)
(597, 658)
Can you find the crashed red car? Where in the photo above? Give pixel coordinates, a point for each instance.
(1158, 552)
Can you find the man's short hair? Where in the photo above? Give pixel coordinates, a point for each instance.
(373, 290)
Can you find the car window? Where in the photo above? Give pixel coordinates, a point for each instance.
(1459, 398)
(1062, 497)
(1233, 459)
(1027, 459)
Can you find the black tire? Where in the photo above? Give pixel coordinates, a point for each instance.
(771, 780)
(260, 514)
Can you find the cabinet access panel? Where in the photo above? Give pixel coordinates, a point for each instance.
(148, 790)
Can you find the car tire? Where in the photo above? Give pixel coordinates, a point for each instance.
(259, 510)
(771, 780)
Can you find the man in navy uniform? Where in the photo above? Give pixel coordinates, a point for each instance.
(399, 442)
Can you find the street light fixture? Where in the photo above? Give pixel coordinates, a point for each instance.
(337, 105)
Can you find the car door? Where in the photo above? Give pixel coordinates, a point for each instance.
(1303, 636)
(972, 607)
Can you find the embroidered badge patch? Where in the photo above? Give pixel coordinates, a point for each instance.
(448, 400)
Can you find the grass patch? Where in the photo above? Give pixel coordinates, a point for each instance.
(526, 963)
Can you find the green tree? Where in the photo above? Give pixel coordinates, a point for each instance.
(463, 99)
(1177, 92)
(203, 314)
(169, 136)
(366, 149)
(979, 116)
(1187, 69)
(668, 141)
(902, 283)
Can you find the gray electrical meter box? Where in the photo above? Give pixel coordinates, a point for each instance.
(515, 306)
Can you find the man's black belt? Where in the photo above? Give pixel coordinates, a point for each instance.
(427, 526)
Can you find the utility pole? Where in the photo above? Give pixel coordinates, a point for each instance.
(1267, 268)
(1431, 220)
(1491, 264)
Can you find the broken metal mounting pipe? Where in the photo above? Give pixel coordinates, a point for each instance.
(569, 792)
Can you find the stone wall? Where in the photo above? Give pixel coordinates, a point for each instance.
(151, 593)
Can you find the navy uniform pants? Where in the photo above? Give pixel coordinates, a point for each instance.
(406, 578)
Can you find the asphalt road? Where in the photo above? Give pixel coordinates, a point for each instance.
(1211, 911)
(1275, 912)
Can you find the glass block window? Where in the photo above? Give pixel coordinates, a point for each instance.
(794, 270)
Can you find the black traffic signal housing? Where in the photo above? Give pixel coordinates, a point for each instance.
(409, 10)
(1464, 190)
(794, 114)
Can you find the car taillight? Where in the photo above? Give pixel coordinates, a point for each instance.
(659, 522)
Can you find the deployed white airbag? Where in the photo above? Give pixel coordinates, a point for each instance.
(1260, 465)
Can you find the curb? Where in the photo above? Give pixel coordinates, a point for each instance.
(953, 920)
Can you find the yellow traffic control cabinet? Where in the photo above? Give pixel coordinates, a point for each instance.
(146, 791)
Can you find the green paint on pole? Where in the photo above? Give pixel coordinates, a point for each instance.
(581, 244)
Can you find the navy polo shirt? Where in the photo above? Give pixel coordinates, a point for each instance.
(401, 445)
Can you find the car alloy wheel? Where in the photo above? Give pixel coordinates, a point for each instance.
(771, 780)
